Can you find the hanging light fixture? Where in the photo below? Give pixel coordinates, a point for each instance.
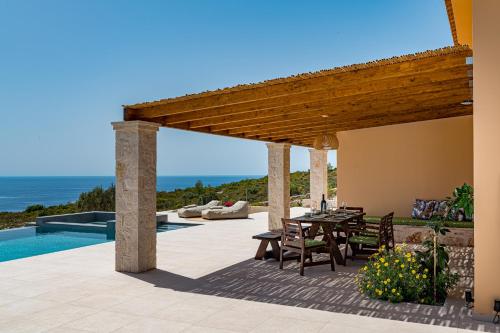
(326, 141)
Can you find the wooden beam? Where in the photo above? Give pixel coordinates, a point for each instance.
(357, 111)
(445, 112)
(201, 118)
(290, 87)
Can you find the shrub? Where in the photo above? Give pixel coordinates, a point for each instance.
(441, 279)
(395, 276)
(97, 199)
(34, 208)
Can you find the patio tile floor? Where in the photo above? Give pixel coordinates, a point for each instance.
(206, 281)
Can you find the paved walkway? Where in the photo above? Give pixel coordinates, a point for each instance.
(205, 282)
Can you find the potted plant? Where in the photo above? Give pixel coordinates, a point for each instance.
(462, 203)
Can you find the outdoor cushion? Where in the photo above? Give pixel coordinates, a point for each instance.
(307, 243)
(314, 242)
(369, 233)
(195, 211)
(364, 240)
(440, 208)
(423, 209)
(237, 211)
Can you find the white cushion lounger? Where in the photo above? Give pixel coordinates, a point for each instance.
(237, 211)
(195, 211)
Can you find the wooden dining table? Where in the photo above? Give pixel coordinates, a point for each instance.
(334, 221)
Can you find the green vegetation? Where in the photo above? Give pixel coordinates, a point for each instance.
(252, 190)
(421, 223)
(462, 201)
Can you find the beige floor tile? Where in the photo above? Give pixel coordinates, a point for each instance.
(102, 322)
(237, 320)
(289, 325)
(152, 325)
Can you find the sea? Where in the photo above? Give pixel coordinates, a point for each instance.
(16, 193)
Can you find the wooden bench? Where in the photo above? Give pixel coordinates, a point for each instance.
(274, 238)
(266, 238)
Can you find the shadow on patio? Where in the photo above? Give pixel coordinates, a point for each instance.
(321, 289)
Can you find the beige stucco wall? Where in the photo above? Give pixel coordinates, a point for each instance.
(486, 153)
(385, 169)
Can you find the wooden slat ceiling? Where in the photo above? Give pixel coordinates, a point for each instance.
(418, 87)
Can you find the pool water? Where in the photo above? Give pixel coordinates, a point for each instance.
(31, 241)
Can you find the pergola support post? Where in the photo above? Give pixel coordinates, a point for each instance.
(318, 176)
(135, 246)
(486, 156)
(278, 183)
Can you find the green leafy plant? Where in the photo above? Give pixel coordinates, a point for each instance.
(395, 276)
(435, 258)
(463, 200)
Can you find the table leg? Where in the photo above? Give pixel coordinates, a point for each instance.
(339, 259)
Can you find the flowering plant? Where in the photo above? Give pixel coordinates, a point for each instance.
(228, 204)
(395, 276)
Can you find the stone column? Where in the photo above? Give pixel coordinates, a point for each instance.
(278, 183)
(135, 247)
(318, 176)
(486, 120)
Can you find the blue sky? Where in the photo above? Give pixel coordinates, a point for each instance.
(67, 67)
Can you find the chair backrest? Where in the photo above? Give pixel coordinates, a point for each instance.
(385, 236)
(389, 227)
(292, 232)
(359, 221)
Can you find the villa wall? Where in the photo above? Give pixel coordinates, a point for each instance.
(385, 169)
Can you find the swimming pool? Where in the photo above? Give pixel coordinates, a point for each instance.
(32, 241)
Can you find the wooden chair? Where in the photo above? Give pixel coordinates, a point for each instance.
(294, 240)
(372, 237)
(360, 222)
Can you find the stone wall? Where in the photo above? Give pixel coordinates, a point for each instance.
(456, 237)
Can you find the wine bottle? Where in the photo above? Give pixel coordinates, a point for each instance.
(323, 205)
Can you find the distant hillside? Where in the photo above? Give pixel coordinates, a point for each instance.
(253, 190)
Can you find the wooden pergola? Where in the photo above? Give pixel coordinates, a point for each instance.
(423, 86)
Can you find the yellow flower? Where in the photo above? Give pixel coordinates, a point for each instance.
(413, 259)
(400, 275)
(386, 264)
(417, 276)
(426, 270)
(385, 282)
(382, 259)
(402, 266)
(396, 261)
(380, 292)
(424, 276)
(388, 280)
(413, 271)
(398, 294)
(393, 290)
(408, 254)
(409, 259)
(365, 268)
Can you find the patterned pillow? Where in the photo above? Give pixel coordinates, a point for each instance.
(440, 208)
(423, 209)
